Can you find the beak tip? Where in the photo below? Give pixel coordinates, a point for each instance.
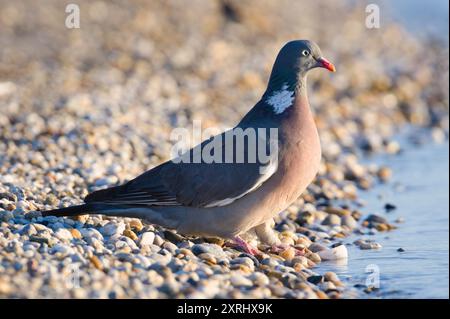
(327, 64)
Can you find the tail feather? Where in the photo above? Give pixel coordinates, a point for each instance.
(70, 211)
(169, 218)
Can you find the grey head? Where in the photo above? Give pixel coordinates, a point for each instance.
(293, 62)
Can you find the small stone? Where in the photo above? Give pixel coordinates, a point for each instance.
(365, 244)
(136, 225)
(288, 253)
(111, 229)
(173, 237)
(208, 258)
(61, 249)
(75, 233)
(96, 262)
(243, 261)
(215, 240)
(315, 279)
(303, 241)
(170, 247)
(81, 218)
(147, 238)
(400, 250)
(259, 279)
(41, 240)
(331, 276)
(349, 221)
(51, 199)
(339, 252)
(6, 216)
(384, 174)
(400, 220)
(337, 211)
(321, 295)
(28, 230)
(314, 257)
(208, 248)
(305, 218)
(63, 234)
(315, 247)
(389, 207)
(327, 286)
(5, 287)
(382, 227)
(332, 220)
(158, 240)
(240, 281)
(376, 219)
(130, 234)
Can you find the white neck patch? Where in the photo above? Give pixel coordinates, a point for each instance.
(281, 100)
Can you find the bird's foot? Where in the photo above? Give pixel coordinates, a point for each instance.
(246, 247)
(282, 247)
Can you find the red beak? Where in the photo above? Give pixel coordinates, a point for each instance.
(324, 63)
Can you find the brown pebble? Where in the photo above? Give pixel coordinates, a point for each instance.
(337, 211)
(81, 218)
(75, 233)
(96, 262)
(214, 240)
(288, 253)
(136, 225)
(321, 295)
(382, 227)
(130, 234)
(384, 174)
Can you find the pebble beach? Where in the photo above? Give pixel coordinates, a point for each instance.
(85, 109)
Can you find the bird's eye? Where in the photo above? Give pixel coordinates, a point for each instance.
(305, 52)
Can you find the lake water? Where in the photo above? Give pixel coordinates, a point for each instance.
(419, 188)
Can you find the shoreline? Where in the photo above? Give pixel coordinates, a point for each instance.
(397, 257)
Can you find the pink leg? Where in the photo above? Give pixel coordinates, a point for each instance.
(246, 246)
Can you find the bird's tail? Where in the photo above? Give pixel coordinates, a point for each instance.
(169, 218)
(70, 211)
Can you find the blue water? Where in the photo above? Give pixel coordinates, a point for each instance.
(420, 190)
(424, 19)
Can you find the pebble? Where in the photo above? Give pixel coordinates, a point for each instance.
(212, 249)
(112, 229)
(208, 258)
(288, 253)
(332, 220)
(6, 216)
(146, 238)
(315, 279)
(173, 237)
(136, 225)
(366, 244)
(240, 281)
(336, 253)
(376, 219)
(75, 233)
(63, 234)
(349, 222)
(130, 234)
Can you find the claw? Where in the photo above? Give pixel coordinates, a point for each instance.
(246, 247)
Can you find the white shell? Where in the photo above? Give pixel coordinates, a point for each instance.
(339, 252)
(281, 100)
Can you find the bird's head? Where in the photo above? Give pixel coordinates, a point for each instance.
(294, 61)
(302, 56)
